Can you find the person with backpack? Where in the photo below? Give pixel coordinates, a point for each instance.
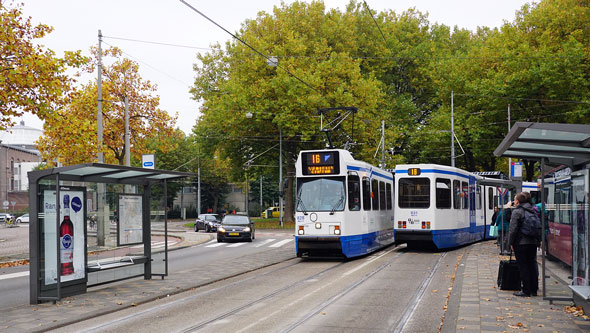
(523, 238)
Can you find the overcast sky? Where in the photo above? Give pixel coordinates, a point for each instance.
(77, 22)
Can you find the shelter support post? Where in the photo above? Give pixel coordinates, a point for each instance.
(147, 242)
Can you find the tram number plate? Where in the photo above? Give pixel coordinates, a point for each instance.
(234, 233)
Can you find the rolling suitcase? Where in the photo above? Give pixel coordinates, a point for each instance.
(508, 275)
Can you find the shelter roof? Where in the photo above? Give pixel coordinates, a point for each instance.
(110, 173)
(559, 144)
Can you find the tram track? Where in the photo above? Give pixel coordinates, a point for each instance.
(261, 299)
(341, 294)
(192, 297)
(336, 281)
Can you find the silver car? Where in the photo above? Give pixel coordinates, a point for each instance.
(23, 219)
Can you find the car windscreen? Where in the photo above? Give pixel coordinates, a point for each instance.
(235, 219)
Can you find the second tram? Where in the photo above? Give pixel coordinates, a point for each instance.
(439, 205)
(344, 207)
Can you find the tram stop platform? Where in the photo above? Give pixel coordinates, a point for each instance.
(482, 307)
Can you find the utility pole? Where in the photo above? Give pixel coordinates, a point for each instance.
(281, 189)
(199, 182)
(452, 132)
(99, 112)
(261, 208)
(103, 215)
(509, 158)
(383, 144)
(127, 148)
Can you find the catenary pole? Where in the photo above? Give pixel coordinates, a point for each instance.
(281, 176)
(509, 158)
(127, 148)
(103, 216)
(99, 111)
(452, 132)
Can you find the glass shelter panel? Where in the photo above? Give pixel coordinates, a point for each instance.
(580, 218)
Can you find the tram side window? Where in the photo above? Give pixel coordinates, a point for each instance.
(414, 193)
(478, 199)
(354, 193)
(443, 193)
(491, 198)
(457, 191)
(375, 193)
(382, 195)
(465, 194)
(366, 194)
(389, 196)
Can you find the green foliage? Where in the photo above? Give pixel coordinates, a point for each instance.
(539, 64)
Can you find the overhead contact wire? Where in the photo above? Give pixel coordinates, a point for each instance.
(251, 47)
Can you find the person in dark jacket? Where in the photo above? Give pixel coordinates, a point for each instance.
(525, 248)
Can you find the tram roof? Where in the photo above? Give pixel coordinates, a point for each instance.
(559, 144)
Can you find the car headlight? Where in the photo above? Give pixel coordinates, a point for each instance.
(221, 229)
(247, 229)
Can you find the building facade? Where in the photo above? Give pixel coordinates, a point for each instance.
(18, 156)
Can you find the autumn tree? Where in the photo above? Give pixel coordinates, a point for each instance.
(32, 78)
(70, 133)
(316, 69)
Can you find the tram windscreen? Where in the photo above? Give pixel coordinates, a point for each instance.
(321, 194)
(414, 193)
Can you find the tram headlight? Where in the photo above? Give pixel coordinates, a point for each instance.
(300, 230)
(427, 224)
(318, 225)
(337, 230)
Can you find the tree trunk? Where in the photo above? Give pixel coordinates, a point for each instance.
(529, 166)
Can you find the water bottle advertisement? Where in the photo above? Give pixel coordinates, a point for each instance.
(71, 242)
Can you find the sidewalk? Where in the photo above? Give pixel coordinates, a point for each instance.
(483, 307)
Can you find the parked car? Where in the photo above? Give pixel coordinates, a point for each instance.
(4, 216)
(208, 222)
(236, 227)
(23, 219)
(271, 212)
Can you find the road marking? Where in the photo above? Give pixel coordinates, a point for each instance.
(215, 245)
(154, 246)
(281, 243)
(211, 242)
(236, 245)
(264, 242)
(14, 275)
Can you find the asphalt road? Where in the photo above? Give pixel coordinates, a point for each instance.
(395, 289)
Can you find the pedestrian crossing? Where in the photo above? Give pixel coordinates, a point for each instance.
(257, 243)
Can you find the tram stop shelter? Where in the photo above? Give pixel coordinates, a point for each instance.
(560, 145)
(92, 224)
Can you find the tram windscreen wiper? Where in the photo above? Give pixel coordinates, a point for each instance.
(300, 205)
(337, 205)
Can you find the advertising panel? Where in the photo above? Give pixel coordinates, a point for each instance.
(130, 220)
(71, 238)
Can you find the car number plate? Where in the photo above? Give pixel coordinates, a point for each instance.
(234, 233)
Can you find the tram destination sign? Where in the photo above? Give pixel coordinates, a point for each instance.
(320, 163)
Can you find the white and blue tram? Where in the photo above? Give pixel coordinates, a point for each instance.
(344, 207)
(440, 205)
